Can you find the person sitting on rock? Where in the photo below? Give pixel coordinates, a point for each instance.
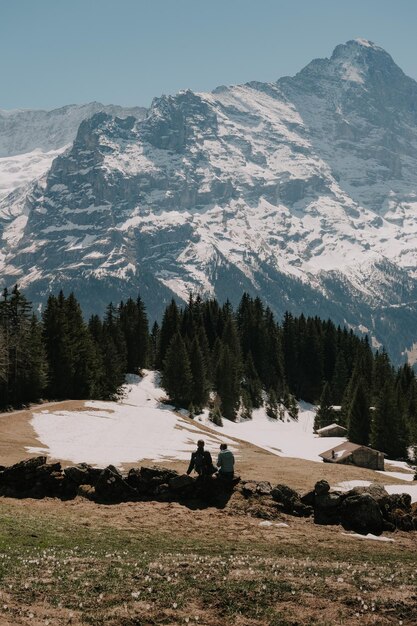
(225, 463)
(201, 461)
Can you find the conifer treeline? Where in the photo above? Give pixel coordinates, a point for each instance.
(209, 354)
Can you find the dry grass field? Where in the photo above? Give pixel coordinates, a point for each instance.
(143, 564)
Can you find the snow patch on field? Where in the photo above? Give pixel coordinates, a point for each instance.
(368, 536)
(137, 428)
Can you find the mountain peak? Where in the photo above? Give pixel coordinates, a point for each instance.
(361, 48)
(356, 61)
(365, 43)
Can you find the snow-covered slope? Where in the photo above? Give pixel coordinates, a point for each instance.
(139, 427)
(303, 191)
(31, 139)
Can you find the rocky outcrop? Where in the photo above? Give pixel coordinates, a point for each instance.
(361, 513)
(326, 505)
(34, 478)
(290, 501)
(364, 510)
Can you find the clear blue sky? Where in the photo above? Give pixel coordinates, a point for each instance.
(56, 52)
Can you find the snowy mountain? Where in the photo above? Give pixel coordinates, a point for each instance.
(303, 190)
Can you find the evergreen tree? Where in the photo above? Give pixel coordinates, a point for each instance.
(382, 374)
(134, 326)
(215, 415)
(273, 372)
(359, 417)
(112, 333)
(176, 375)
(360, 374)
(329, 341)
(291, 405)
(200, 386)
(3, 358)
(4, 346)
(251, 383)
(384, 429)
(310, 361)
(153, 342)
(19, 346)
(339, 380)
(290, 353)
(169, 327)
(246, 406)
(228, 382)
(272, 409)
(325, 414)
(38, 368)
(206, 355)
(142, 335)
(81, 354)
(58, 351)
(112, 367)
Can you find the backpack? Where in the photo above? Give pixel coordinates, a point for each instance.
(200, 462)
(203, 464)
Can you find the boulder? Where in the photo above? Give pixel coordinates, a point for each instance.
(397, 510)
(285, 495)
(395, 501)
(361, 513)
(322, 486)
(112, 487)
(82, 474)
(22, 476)
(377, 491)
(135, 480)
(290, 502)
(249, 487)
(308, 498)
(264, 488)
(327, 507)
(179, 483)
(157, 474)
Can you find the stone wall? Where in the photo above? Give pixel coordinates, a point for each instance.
(362, 509)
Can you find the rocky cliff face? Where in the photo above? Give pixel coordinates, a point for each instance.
(303, 191)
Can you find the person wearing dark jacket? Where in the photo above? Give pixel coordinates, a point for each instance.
(201, 461)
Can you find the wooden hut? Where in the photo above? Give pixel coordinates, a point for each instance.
(333, 430)
(354, 454)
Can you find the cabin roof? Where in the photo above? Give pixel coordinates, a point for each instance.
(330, 427)
(343, 450)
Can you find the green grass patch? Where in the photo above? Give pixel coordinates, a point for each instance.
(60, 570)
